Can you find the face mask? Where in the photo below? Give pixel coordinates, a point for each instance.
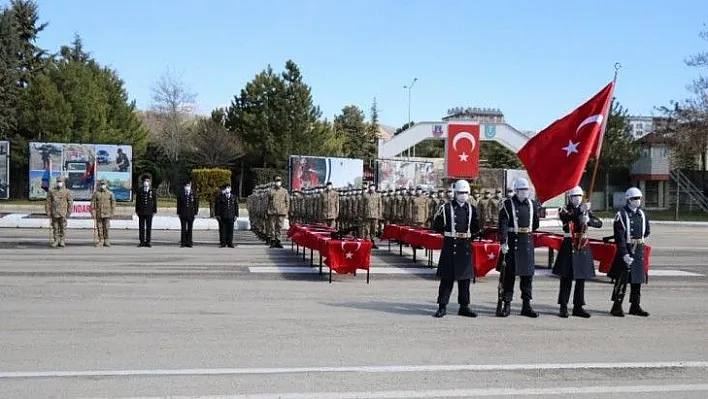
(372, 189)
(450, 194)
(463, 197)
(575, 200)
(187, 188)
(277, 184)
(60, 184)
(418, 193)
(227, 191)
(522, 194)
(103, 186)
(146, 184)
(486, 196)
(634, 204)
(329, 188)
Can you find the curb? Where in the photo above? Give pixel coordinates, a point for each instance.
(19, 220)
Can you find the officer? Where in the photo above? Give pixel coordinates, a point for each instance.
(631, 227)
(58, 208)
(518, 219)
(574, 261)
(330, 205)
(103, 205)
(457, 221)
(187, 209)
(278, 201)
(145, 208)
(483, 208)
(371, 203)
(226, 212)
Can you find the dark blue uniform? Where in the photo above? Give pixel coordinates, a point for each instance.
(187, 209)
(226, 212)
(145, 208)
(458, 223)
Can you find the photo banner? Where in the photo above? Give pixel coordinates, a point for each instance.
(393, 174)
(82, 166)
(310, 172)
(4, 169)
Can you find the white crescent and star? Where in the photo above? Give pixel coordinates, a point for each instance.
(461, 136)
(349, 254)
(572, 147)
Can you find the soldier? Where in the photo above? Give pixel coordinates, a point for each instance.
(103, 205)
(330, 205)
(483, 209)
(226, 212)
(278, 205)
(631, 227)
(419, 209)
(145, 208)
(494, 205)
(574, 261)
(187, 209)
(518, 219)
(371, 204)
(457, 221)
(58, 207)
(450, 195)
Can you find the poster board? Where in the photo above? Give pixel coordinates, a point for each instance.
(310, 171)
(392, 174)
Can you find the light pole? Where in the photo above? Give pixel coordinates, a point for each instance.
(409, 87)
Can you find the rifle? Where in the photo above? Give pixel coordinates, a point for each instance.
(500, 286)
(340, 234)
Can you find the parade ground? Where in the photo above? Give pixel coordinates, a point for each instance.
(85, 322)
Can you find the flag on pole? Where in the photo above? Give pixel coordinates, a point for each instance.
(556, 157)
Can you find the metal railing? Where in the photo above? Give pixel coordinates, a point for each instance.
(686, 186)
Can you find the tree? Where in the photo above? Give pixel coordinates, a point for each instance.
(9, 71)
(619, 149)
(213, 146)
(351, 125)
(496, 156)
(31, 58)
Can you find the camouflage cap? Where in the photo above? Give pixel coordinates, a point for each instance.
(103, 181)
(60, 179)
(277, 178)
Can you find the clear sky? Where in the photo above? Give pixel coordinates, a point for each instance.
(535, 60)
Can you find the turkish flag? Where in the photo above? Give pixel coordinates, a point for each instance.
(346, 257)
(462, 151)
(485, 257)
(556, 157)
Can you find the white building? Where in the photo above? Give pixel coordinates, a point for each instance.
(640, 126)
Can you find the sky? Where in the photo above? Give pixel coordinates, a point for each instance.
(534, 60)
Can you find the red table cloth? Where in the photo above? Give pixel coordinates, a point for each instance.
(342, 256)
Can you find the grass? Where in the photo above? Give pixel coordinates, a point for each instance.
(684, 216)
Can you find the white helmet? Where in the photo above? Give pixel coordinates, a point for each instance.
(575, 191)
(521, 184)
(632, 192)
(462, 186)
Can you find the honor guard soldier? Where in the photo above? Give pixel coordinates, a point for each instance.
(145, 208)
(372, 213)
(103, 206)
(518, 219)
(187, 209)
(330, 205)
(631, 227)
(483, 209)
(574, 261)
(457, 221)
(58, 207)
(226, 212)
(278, 205)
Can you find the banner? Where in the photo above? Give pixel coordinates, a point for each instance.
(462, 151)
(392, 174)
(81, 165)
(310, 172)
(4, 169)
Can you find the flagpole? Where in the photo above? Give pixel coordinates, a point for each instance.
(593, 180)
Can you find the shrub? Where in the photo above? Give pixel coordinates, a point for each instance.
(208, 184)
(266, 175)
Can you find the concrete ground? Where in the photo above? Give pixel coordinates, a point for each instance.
(196, 322)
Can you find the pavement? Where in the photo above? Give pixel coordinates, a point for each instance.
(126, 322)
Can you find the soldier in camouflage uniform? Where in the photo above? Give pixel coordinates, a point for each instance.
(278, 207)
(494, 205)
(58, 207)
(418, 209)
(483, 209)
(103, 206)
(330, 205)
(371, 206)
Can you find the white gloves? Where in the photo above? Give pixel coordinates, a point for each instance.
(628, 260)
(505, 248)
(585, 219)
(585, 206)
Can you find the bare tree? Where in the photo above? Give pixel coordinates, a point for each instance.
(172, 104)
(215, 146)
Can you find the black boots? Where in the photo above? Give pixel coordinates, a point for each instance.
(464, 311)
(527, 310)
(441, 312)
(563, 312)
(505, 310)
(617, 309)
(580, 312)
(637, 310)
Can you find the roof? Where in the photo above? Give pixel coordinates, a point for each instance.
(653, 138)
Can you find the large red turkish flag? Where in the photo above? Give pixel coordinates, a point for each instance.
(462, 151)
(556, 157)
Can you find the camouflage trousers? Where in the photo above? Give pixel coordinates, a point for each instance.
(58, 231)
(370, 226)
(276, 226)
(102, 226)
(331, 223)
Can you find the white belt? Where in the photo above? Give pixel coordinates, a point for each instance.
(520, 230)
(566, 235)
(457, 235)
(637, 241)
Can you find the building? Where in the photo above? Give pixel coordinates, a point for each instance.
(650, 173)
(640, 126)
(481, 115)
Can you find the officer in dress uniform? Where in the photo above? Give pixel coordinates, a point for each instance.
(574, 261)
(631, 227)
(518, 218)
(457, 221)
(145, 208)
(226, 212)
(187, 209)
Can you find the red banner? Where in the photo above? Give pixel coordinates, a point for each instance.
(462, 151)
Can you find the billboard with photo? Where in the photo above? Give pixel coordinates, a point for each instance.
(82, 165)
(309, 171)
(4, 169)
(393, 173)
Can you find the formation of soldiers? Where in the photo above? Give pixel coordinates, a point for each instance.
(364, 210)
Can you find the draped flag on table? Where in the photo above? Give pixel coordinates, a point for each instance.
(556, 157)
(347, 256)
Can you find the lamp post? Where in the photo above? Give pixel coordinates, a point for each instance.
(409, 87)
